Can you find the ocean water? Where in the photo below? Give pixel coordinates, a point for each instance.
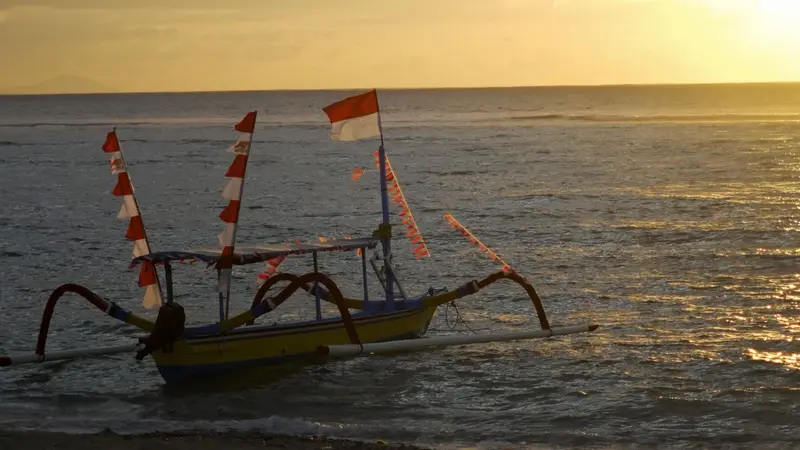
(667, 214)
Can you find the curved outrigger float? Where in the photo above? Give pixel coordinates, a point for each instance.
(396, 322)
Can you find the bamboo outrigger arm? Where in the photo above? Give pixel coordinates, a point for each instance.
(263, 305)
(108, 307)
(447, 297)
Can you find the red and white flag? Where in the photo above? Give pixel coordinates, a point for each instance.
(355, 117)
(148, 278)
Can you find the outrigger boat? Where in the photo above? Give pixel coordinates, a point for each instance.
(396, 322)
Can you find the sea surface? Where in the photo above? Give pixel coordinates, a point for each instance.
(666, 214)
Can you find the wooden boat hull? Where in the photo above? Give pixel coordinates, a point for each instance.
(264, 345)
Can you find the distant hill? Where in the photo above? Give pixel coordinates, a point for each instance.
(62, 84)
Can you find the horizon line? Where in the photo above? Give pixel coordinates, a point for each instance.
(419, 88)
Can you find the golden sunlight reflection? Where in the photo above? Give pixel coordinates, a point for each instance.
(733, 192)
(786, 290)
(787, 359)
(789, 323)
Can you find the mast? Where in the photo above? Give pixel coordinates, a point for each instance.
(386, 240)
(230, 215)
(359, 117)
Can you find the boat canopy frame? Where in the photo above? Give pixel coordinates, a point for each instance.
(253, 254)
(260, 253)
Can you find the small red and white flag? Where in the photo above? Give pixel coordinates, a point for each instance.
(355, 117)
(356, 174)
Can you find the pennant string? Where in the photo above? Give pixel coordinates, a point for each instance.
(470, 237)
(273, 264)
(148, 276)
(399, 199)
(230, 214)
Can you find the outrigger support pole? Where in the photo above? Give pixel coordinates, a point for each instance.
(109, 308)
(13, 360)
(344, 350)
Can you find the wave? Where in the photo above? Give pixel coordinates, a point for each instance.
(126, 122)
(619, 118)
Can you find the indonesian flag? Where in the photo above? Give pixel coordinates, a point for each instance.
(355, 117)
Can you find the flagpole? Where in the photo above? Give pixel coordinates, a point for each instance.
(136, 202)
(386, 241)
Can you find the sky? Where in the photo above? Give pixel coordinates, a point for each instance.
(206, 45)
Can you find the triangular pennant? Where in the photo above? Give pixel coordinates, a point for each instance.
(123, 212)
(123, 186)
(135, 229)
(111, 145)
(237, 168)
(247, 124)
(233, 189)
(226, 237)
(128, 208)
(231, 212)
(147, 274)
(152, 297)
(140, 248)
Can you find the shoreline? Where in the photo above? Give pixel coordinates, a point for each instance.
(184, 440)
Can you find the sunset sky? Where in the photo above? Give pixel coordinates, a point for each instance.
(178, 45)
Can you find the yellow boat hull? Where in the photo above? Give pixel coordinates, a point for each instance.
(262, 345)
